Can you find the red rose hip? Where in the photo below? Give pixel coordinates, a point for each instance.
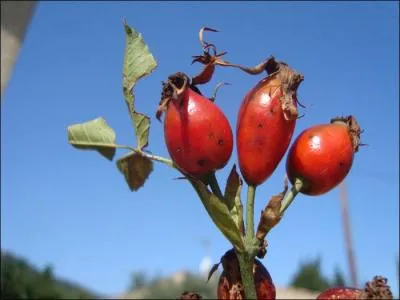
(266, 121)
(198, 136)
(322, 155)
(230, 284)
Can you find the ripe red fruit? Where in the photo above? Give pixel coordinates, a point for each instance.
(266, 121)
(230, 284)
(377, 288)
(198, 136)
(322, 155)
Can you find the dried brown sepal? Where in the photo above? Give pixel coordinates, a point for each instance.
(202, 42)
(190, 295)
(270, 65)
(377, 288)
(289, 78)
(354, 130)
(263, 249)
(173, 89)
(270, 216)
(212, 270)
(208, 59)
(217, 87)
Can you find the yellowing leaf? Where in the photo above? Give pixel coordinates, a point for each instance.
(136, 169)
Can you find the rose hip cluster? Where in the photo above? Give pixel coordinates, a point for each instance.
(199, 140)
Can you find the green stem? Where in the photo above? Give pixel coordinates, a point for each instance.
(246, 272)
(298, 184)
(160, 159)
(246, 259)
(215, 186)
(251, 192)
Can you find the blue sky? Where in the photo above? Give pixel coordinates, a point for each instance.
(74, 210)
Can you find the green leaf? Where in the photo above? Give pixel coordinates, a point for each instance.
(93, 135)
(138, 62)
(136, 168)
(232, 197)
(142, 127)
(232, 186)
(237, 209)
(219, 213)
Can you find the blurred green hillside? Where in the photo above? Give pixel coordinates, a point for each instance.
(21, 280)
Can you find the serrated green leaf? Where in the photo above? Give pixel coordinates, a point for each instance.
(93, 135)
(136, 169)
(142, 125)
(138, 62)
(219, 213)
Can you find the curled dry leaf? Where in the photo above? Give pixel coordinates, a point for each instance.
(136, 168)
(270, 216)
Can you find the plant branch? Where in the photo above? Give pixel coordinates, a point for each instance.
(289, 197)
(251, 192)
(160, 159)
(246, 272)
(246, 259)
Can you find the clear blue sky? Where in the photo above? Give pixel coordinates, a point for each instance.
(73, 209)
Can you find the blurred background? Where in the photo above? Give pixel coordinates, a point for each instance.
(70, 227)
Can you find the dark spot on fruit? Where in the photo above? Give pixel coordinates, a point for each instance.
(259, 142)
(271, 111)
(310, 136)
(341, 164)
(201, 162)
(260, 125)
(220, 142)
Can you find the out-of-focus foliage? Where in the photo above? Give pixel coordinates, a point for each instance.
(172, 287)
(309, 276)
(338, 278)
(21, 280)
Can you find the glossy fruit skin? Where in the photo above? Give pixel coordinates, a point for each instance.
(198, 136)
(322, 156)
(340, 293)
(263, 134)
(230, 286)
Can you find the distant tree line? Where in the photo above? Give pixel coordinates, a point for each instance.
(21, 280)
(309, 276)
